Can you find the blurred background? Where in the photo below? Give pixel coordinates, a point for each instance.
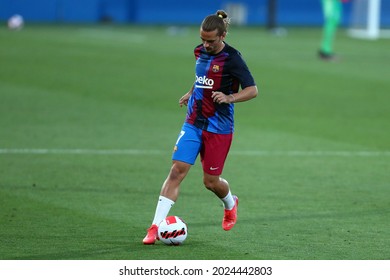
(245, 12)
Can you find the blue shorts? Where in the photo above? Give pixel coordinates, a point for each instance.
(212, 147)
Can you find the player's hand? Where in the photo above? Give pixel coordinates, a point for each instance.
(184, 99)
(220, 97)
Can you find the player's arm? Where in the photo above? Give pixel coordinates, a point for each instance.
(244, 95)
(184, 99)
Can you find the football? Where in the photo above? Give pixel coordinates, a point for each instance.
(172, 231)
(15, 22)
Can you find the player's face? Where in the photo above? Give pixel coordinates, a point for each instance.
(211, 41)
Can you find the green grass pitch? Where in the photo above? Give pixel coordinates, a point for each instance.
(89, 116)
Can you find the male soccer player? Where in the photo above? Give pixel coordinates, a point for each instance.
(208, 129)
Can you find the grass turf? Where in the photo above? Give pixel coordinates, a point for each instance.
(309, 162)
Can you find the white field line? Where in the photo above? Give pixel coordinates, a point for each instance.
(145, 152)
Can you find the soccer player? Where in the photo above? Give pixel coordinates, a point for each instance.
(208, 128)
(332, 10)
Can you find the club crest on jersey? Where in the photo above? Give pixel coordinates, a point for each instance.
(215, 68)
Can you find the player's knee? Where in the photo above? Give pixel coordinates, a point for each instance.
(210, 182)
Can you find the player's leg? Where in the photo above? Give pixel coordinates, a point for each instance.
(168, 196)
(213, 155)
(185, 153)
(171, 185)
(332, 15)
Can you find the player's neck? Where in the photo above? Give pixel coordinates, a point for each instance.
(220, 48)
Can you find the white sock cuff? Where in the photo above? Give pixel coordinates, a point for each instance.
(166, 200)
(163, 206)
(228, 201)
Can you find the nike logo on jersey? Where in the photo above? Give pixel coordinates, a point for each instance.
(214, 168)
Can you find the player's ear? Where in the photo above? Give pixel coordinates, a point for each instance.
(223, 35)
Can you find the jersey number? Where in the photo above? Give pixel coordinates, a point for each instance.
(180, 136)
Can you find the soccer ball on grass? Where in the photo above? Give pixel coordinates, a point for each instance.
(172, 231)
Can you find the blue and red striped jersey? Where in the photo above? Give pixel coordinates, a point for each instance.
(225, 72)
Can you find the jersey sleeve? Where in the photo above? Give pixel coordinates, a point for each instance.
(241, 71)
